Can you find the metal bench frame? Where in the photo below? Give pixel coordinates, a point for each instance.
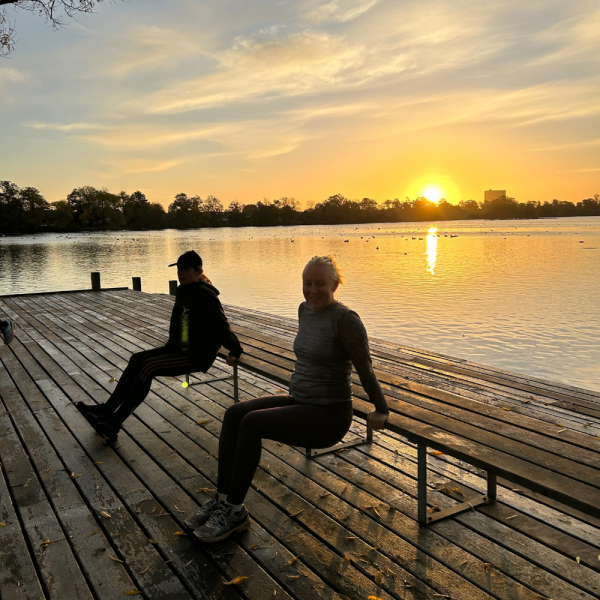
(423, 516)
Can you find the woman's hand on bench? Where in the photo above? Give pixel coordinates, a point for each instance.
(376, 420)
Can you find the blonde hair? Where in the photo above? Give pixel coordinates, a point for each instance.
(331, 264)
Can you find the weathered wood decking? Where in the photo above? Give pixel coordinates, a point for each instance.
(82, 520)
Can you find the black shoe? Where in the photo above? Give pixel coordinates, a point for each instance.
(107, 430)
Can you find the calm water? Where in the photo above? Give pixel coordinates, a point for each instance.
(518, 295)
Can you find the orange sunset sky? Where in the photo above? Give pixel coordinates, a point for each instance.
(307, 98)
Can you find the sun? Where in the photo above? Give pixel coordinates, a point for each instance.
(432, 193)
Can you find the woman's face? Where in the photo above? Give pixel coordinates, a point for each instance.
(318, 286)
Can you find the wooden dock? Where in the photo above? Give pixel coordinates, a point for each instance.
(80, 520)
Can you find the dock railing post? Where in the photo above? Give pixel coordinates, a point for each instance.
(137, 284)
(173, 287)
(95, 281)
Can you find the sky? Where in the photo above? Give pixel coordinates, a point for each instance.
(253, 99)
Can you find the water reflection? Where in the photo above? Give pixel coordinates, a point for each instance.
(431, 253)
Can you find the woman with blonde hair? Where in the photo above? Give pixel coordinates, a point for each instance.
(317, 413)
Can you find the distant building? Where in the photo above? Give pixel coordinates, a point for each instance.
(490, 195)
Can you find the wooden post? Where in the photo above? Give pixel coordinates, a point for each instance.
(173, 287)
(95, 281)
(137, 284)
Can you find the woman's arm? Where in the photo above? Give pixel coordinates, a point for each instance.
(353, 335)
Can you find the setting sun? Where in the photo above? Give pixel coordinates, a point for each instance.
(432, 193)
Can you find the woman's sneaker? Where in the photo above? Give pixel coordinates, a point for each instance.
(222, 523)
(91, 412)
(107, 430)
(8, 332)
(204, 513)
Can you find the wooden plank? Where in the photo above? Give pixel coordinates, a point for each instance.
(18, 577)
(131, 493)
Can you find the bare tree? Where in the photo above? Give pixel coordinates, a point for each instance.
(52, 11)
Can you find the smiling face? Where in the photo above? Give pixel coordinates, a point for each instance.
(318, 286)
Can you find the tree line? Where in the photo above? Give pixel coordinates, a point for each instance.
(25, 210)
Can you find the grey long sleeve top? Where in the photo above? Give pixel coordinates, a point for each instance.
(328, 343)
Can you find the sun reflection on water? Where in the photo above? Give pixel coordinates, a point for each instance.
(431, 249)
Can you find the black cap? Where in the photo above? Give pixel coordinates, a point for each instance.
(188, 259)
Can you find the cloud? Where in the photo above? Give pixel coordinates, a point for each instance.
(567, 146)
(66, 127)
(10, 74)
(335, 11)
(592, 170)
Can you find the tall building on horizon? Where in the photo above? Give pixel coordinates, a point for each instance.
(489, 195)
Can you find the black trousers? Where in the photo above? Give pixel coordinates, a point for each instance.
(3, 324)
(135, 382)
(276, 418)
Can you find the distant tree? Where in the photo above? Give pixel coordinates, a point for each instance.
(51, 11)
(234, 213)
(93, 208)
(35, 207)
(12, 216)
(59, 216)
(135, 209)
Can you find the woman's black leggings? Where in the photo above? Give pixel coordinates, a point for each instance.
(135, 382)
(276, 418)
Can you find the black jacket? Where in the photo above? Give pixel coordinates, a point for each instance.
(199, 325)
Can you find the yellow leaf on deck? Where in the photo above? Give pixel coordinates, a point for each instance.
(236, 581)
(203, 422)
(2, 524)
(578, 559)
(293, 560)
(436, 453)
(114, 558)
(93, 532)
(111, 380)
(346, 559)
(379, 578)
(144, 571)
(152, 541)
(180, 533)
(458, 491)
(105, 514)
(131, 593)
(505, 408)
(373, 598)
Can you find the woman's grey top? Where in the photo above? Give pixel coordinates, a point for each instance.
(328, 343)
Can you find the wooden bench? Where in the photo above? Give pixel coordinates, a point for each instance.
(558, 463)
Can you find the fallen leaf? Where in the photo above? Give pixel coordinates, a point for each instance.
(131, 593)
(505, 408)
(458, 491)
(209, 490)
(578, 559)
(144, 571)
(293, 576)
(203, 422)
(187, 564)
(93, 532)
(105, 514)
(152, 541)
(2, 524)
(114, 558)
(293, 560)
(373, 598)
(346, 559)
(110, 381)
(379, 578)
(236, 581)
(435, 453)
(180, 533)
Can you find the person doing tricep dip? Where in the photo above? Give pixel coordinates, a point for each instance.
(198, 328)
(317, 413)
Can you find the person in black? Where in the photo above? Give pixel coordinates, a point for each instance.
(198, 328)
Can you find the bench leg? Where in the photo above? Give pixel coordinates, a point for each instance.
(235, 383)
(426, 518)
(310, 452)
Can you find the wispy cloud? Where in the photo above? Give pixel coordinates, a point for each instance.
(67, 127)
(590, 170)
(335, 11)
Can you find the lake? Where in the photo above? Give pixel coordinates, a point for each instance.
(517, 295)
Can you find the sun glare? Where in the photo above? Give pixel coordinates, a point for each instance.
(432, 193)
